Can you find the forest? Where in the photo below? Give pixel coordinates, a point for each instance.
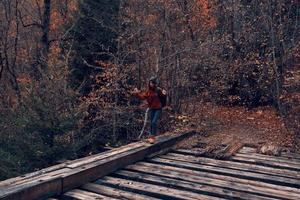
(68, 67)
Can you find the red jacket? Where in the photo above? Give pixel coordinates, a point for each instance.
(152, 98)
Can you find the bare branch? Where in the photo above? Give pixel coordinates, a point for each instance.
(89, 65)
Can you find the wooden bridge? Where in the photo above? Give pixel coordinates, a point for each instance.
(158, 171)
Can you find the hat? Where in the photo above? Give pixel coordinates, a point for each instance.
(154, 80)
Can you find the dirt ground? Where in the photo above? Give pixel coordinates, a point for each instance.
(221, 125)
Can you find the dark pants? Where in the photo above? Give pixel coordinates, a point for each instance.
(155, 114)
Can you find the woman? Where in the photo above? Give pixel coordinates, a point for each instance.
(153, 95)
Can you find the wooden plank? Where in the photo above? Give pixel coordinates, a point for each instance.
(233, 183)
(291, 155)
(33, 190)
(186, 186)
(264, 162)
(248, 150)
(110, 151)
(101, 156)
(233, 165)
(46, 184)
(191, 152)
(152, 190)
(234, 173)
(22, 178)
(42, 177)
(281, 160)
(287, 155)
(228, 175)
(77, 194)
(244, 150)
(113, 192)
(95, 170)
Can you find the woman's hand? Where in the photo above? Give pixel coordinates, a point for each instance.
(164, 92)
(135, 91)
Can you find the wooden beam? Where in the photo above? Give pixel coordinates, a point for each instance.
(17, 187)
(95, 158)
(26, 177)
(114, 192)
(78, 194)
(90, 172)
(32, 190)
(63, 177)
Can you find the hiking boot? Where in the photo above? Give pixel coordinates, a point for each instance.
(151, 139)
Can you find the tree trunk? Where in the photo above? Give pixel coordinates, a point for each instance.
(42, 53)
(278, 83)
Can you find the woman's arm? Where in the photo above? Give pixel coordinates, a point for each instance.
(162, 92)
(140, 94)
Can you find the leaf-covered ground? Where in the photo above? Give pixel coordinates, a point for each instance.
(222, 125)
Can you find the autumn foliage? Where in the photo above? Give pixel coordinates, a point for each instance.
(67, 69)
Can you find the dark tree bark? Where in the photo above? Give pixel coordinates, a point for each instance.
(45, 33)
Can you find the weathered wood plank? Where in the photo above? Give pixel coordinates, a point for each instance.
(22, 178)
(282, 160)
(233, 165)
(32, 190)
(248, 150)
(90, 172)
(152, 190)
(234, 173)
(47, 184)
(233, 183)
(101, 156)
(77, 194)
(186, 186)
(42, 177)
(291, 155)
(256, 161)
(113, 192)
(228, 176)
(288, 155)
(93, 171)
(264, 162)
